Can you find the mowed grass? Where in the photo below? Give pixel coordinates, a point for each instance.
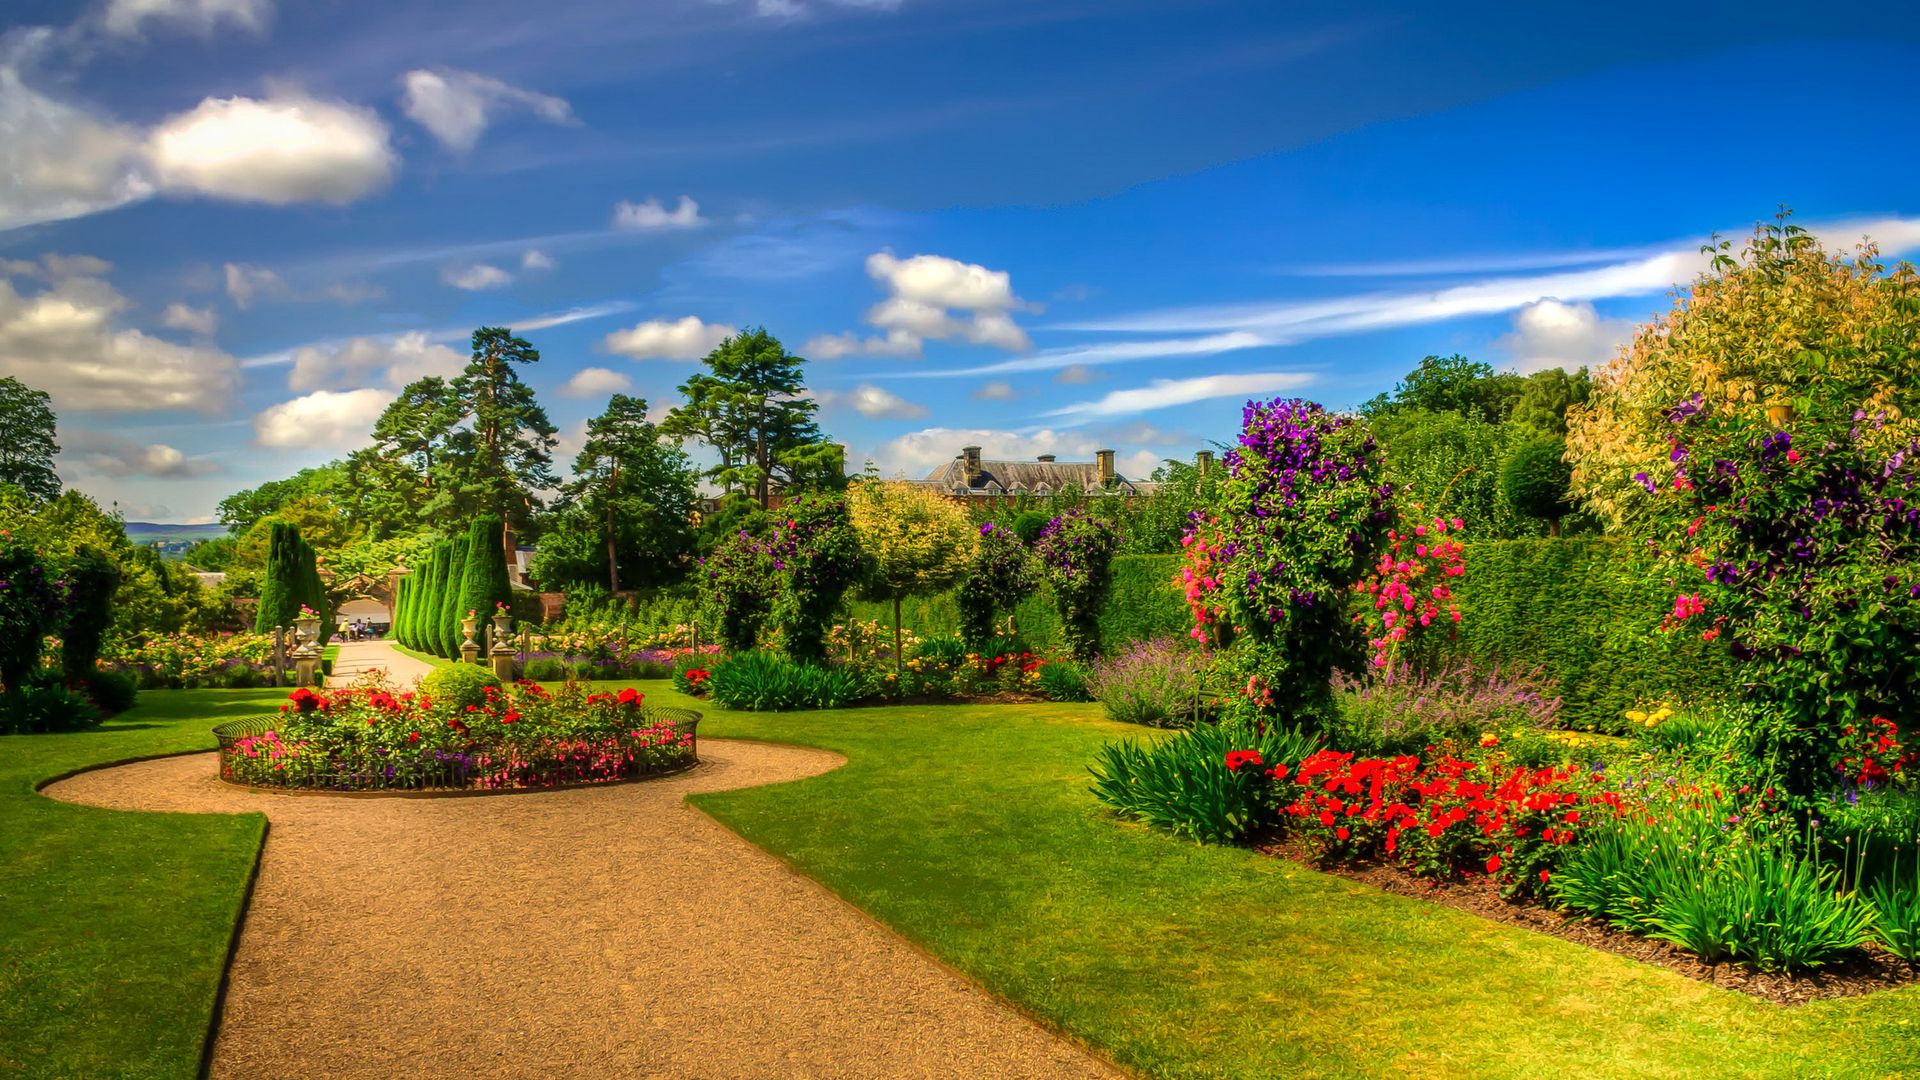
(970, 831)
(114, 926)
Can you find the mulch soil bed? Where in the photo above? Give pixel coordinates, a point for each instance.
(1865, 972)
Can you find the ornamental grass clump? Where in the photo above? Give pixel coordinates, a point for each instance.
(770, 682)
(1158, 683)
(1211, 782)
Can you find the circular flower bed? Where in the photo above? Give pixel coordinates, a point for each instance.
(525, 737)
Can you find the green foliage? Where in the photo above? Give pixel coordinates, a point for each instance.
(30, 609)
(447, 637)
(1775, 909)
(737, 588)
(44, 709)
(1000, 574)
(27, 446)
(1447, 465)
(1586, 612)
(91, 579)
(1182, 784)
(1451, 384)
(459, 685)
(633, 493)
(483, 583)
(769, 682)
(1543, 403)
(1063, 680)
(1075, 554)
(817, 557)
(751, 407)
(1872, 833)
(1896, 914)
(1536, 478)
(496, 461)
(1029, 525)
(113, 692)
(913, 541)
(292, 582)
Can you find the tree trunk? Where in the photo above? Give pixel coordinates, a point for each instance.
(896, 636)
(1553, 526)
(613, 561)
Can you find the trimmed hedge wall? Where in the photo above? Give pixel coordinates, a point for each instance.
(1143, 604)
(1587, 610)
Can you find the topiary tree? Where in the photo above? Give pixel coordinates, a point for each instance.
(91, 579)
(279, 584)
(1000, 575)
(1763, 437)
(737, 586)
(1029, 525)
(31, 603)
(816, 555)
(447, 635)
(1075, 553)
(483, 582)
(426, 621)
(916, 541)
(1536, 479)
(1269, 569)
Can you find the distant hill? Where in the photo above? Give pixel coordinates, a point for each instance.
(171, 540)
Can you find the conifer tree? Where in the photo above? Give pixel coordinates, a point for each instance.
(484, 582)
(448, 629)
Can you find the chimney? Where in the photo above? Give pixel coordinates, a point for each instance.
(970, 456)
(1203, 461)
(1045, 459)
(1105, 458)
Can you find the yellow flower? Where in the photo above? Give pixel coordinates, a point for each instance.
(1636, 716)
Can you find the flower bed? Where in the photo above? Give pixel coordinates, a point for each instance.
(373, 740)
(195, 661)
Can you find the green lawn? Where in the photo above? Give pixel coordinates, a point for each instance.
(114, 926)
(970, 831)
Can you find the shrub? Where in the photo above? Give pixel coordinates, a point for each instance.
(1063, 680)
(817, 557)
(1413, 578)
(91, 578)
(1896, 914)
(545, 669)
(1398, 710)
(112, 691)
(30, 609)
(1303, 511)
(1208, 782)
(447, 637)
(738, 584)
(692, 670)
(459, 685)
(915, 541)
(768, 682)
(1872, 832)
(1776, 909)
(1029, 525)
(1000, 574)
(1159, 683)
(1075, 553)
(43, 709)
(1535, 479)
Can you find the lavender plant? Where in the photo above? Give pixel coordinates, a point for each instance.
(1159, 683)
(1397, 709)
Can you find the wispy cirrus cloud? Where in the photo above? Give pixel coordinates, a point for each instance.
(1166, 393)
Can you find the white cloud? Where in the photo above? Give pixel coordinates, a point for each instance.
(995, 391)
(1164, 393)
(322, 420)
(247, 283)
(201, 321)
(475, 277)
(127, 18)
(1115, 352)
(60, 161)
(63, 338)
(942, 282)
(535, 259)
(917, 453)
(1548, 334)
(840, 346)
(662, 339)
(457, 106)
(359, 361)
(103, 454)
(1076, 375)
(281, 150)
(794, 9)
(652, 215)
(595, 381)
(872, 401)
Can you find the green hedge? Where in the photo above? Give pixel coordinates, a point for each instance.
(1143, 604)
(1587, 610)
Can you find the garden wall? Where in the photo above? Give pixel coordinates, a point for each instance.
(1587, 610)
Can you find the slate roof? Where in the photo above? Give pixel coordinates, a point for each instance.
(1028, 477)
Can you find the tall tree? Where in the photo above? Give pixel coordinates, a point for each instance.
(752, 407)
(27, 442)
(916, 541)
(483, 583)
(503, 453)
(638, 491)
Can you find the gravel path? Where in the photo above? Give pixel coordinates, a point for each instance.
(594, 932)
(359, 657)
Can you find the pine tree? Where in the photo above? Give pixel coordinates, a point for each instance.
(484, 582)
(450, 637)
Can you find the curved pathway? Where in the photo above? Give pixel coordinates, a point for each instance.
(606, 931)
(357, 658)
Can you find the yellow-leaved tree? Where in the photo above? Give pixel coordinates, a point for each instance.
(917, 541)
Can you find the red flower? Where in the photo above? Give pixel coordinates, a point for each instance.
(630, 696)
(1493, 865)
(1237, 758)
(1544, 875)
(413, 736)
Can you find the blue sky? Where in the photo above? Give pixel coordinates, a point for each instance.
(230, 229)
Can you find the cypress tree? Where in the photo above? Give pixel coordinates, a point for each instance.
(484, 582)
(279, 596)
(450, 610)
(426, 606)
(399, 608)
